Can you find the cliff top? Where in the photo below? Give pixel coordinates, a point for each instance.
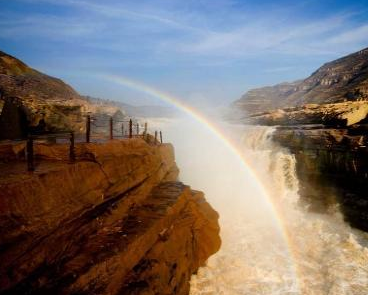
(18, 79)
(9, 65)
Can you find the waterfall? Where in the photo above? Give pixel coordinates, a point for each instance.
(329, 256)
(278, 249)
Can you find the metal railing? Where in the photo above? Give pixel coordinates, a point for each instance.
(128, 128)
(107, 127)
(33, 137)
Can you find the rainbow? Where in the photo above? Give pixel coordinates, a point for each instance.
(138, 86)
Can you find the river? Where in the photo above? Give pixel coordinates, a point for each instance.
(270, 244)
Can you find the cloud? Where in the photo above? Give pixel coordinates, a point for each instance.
(116, 10)
(48, 27)
(269, 36)
(195, 30)
(172, 34)
(356, 35)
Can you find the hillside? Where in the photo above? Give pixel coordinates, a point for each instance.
(17, 79)
(335, 93)
(45, 97)
(145, 111)
(337, 81)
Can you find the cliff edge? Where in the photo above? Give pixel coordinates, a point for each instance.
(115, 221)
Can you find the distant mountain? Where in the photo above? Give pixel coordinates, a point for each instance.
(345, 79)
(147, 111)
(337, 86)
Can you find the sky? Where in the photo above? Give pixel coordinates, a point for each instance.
(196, 50)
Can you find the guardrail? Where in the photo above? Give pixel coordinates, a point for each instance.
(30, 145)
(109, 128)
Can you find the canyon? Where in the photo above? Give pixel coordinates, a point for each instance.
(118, 220)
(322, 121)
(112, 219)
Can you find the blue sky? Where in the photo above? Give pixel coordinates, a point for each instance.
(195, 49)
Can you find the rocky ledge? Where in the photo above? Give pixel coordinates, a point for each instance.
(332, 167)
(116, 221)
(334, 114)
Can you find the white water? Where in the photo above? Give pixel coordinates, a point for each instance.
(321, 255)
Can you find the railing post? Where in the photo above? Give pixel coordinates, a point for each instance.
(122, 129)
(137, 128)
(88, 129)
(30, 158)
(111, 128)
(130, 128)
(161, 136)
(145, 128)
(71, 148)
(155, 137)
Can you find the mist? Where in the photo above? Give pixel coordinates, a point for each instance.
(270, 245)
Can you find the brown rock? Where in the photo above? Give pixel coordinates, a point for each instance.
(113, 222)
(344, 79)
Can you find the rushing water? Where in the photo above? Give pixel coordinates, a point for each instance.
(263, 252)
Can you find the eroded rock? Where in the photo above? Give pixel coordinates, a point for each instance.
(115, 221)
(332, 168)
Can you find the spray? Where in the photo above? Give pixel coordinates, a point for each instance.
(323, 255)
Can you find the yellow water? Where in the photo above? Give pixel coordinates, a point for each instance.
(320, 254)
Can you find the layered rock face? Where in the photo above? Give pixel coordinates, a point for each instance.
(332, 168)
(331, 114)
(116, 221)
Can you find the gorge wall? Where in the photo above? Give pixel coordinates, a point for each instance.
(332, 168)
(322, 120)
(116, 221)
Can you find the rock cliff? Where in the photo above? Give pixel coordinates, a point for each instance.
(322, 121)
(332, 168)
(115, 221)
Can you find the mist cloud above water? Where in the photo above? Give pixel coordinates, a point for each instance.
(311, 254)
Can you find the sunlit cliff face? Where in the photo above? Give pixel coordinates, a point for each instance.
(267, 248)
